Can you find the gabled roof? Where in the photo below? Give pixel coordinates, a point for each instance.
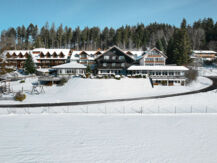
(69, 65)
(117, 49)
(147, 52)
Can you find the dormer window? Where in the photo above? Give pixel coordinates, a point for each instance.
(8, 55)
(14, 55)
(42, 55)
(54, 55)
(26, 55)
(48, 55)
(62, 55)
(20, 55)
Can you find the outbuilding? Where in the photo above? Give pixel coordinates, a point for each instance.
(68, 69)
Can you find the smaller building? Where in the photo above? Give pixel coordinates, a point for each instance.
(204, 55)
(68, 69)
(165, 75)
(153, 57)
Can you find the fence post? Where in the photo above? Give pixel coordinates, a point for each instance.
(105, 109)
(206, 109)
(158, 109)
(87, 108)
(141, 110)
(175, 110)
(123, 109)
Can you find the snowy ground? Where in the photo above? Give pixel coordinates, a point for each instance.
(78, 89)
(75, 138)
(207, 71)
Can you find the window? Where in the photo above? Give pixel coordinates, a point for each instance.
(149, 59)
(122, 64)
(154, 52)
(158, 73)
(104, 64)
(106, 57)
(113, 57)
(164, 73)
(113, 64)
(121, 57)
(171, 73)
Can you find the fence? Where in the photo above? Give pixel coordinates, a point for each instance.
(109, 109)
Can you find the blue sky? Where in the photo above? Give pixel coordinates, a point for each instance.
(111, 13)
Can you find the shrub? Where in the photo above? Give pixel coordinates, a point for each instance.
(62, 81)
(22, 81)
(87, 75)
(191, 75)
(112, 76)
(106, 76)
(117, 77)
(138, 76)
(99, 77)
(19, 96)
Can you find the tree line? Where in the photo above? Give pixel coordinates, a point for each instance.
(202, 34)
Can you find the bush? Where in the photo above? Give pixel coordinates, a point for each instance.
(22, 81)
(138, 76)
(117, 77)
(87, 75)
(106, 77)
(191, 75)
(19, 96)
(62, 81)
(99, 77)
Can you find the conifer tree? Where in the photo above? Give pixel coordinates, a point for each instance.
(29, 65)
(159, 45)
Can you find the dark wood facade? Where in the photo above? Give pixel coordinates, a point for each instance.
(114, 59)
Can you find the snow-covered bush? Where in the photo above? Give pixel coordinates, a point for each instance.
(129, 76)
(19, 96)
(99, 76)
(117, 77)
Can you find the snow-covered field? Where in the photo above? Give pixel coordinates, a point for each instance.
(77, 138)
(132, 134)
(78, 89)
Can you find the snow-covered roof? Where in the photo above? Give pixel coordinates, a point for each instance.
(124, 52)
(69, 65)
(43, 70)
(204, 52)
(178, 68)
(148, 51)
